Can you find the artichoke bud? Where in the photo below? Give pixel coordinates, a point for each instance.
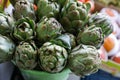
(103, 21)
(74, 15)
(92, 35)
(84, 60)
(52, 57)
(23, 8)
(25, 55)
(66, 40)
(63, 40)
(47, 8)
(7, 48)
(47, 29)
(24, 30)
(6, 24)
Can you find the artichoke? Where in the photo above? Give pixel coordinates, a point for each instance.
(49, 8)
(66, 40)
(92, 35)
(6, 24)
(52, 58)
(7, 48)
(103, 21)
(25, 55)
(47, 29)
(74, 15)
(24, 29)
(63, 40)
(84, 60)
(23, 8)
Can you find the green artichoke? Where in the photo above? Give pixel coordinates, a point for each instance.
(91, 35)
(84, 60)
(63, 40)
(103, 21)
(23, 8)
(66, 40)
(47, 29)
(25, 55)
(6, 24)
(7, 48)
(74, 15)
(49, 8)
(24, 29)
(52, 58)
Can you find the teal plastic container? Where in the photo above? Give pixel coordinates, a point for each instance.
(40, 75)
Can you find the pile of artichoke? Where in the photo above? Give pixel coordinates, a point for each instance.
(51, 35)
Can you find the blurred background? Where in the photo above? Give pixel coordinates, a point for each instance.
(109, 52)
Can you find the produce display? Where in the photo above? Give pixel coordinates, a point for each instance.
(110, 51)
(51, 35)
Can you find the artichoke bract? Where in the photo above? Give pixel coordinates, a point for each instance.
(74, 16)
(25, 55)
(52, 57)
(49, 8)
(84, 60)
(24, 29)
(91, 35)
(7, 48)
(103, 21)
(47, 29)
(6, 24)
(72, 40)
(23, 8)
